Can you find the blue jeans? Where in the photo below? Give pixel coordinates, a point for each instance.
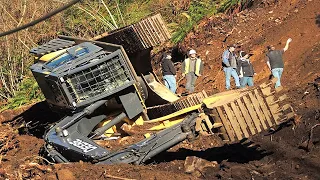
(277, 73)
(246, 81)
(229, 71)
(170, 82)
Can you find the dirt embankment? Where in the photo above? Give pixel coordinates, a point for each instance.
(281, 155)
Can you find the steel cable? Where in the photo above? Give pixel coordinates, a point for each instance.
(32, 23)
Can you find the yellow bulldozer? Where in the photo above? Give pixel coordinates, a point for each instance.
(106, 89)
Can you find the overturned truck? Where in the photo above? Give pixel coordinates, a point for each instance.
(105, 86)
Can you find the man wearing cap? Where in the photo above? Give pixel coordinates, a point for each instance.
(229, 63)
(275, 61)
(192, 68)
(169, 73)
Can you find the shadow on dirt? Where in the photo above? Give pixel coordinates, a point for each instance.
(240, 153)
(318, 20)
(35, 120)
(178, 53)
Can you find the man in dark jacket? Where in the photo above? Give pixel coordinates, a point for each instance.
(229, 63)
(169, 73)
(275, 61)
(246, 70)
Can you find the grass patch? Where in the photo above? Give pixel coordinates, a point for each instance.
(29, 92)
(197, 11)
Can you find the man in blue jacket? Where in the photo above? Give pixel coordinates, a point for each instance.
(229, 63)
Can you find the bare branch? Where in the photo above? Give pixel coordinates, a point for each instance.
(111, 16)
(8, 13)
(23, 12)
(24, 43)
(111, 27)
(118, 9)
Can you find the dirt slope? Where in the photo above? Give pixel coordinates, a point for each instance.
(255, 29)
(277, 156)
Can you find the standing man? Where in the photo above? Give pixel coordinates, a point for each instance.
(192, 68)
(246, 70)
(229, 63)
(169, 73)
(275, 61)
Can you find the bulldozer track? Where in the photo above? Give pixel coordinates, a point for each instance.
(182, 103)
(144, 34)
(237, 114)
(251, 112)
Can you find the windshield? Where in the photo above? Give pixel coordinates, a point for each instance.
(66, 57)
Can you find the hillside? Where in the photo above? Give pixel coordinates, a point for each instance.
(281, 155)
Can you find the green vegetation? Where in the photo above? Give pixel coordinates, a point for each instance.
(197, 11)
(86, 20)
(228, 6)
(27, 93)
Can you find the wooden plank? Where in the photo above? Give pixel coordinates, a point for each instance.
(264, 108)
(257, 108)
(247, 117)
(226, 124)
(240, 119)
(233, 122)
(252, 113)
